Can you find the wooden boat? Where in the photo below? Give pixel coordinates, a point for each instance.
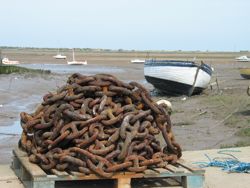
(74, 62)
(177, 77)
(245, 73)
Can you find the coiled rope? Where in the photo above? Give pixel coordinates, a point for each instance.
(228, 164)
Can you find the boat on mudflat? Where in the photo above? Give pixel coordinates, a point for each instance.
(59, 55)
(176, 77)
(6, 61)
(137, 61)
(74, 62)
(243, 58)
(245, 73)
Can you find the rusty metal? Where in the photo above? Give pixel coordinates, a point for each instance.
(98, 124)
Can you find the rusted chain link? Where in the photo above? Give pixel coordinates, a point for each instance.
(98, 124)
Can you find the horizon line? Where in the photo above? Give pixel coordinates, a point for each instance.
(120, 49)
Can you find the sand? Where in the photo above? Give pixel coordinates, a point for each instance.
(210, 120)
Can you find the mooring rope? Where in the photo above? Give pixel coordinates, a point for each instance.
(228, 164)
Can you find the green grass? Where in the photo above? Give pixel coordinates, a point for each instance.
(183, 123)
(237, 144)
(230, 108)
(8, 69)
(238, 120)
(233, 121)
(223, 100)
(244, 132)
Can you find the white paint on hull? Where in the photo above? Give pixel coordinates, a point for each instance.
(179, 74)
(77, 62)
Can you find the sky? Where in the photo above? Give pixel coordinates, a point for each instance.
(214, 25)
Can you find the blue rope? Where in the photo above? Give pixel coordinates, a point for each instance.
(231, 164)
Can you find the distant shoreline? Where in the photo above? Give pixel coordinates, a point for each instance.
(119, 50)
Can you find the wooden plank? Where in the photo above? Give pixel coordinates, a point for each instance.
(24, 175)
(170, 187)
(173, 181)
(150, 172)
(185, 170)
(74, 173)
(190, 167)
(59, 173)
(162, 171)
(129, 173)
(193, 181)
(20, 153)
(157, 173)
(15, 163)
(118, 175)
(33, 169)
(123, 183)
(43, 184)
(173, 169)
(159, 182)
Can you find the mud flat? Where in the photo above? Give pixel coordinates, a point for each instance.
(217, 118)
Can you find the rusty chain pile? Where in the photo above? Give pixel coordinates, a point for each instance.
(98, 124)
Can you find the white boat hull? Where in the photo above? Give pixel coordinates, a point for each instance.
(6, 61)
(137, 61)
(74, 62)
(242, 59)
(60, 57)
(77, 62)
(177, 79)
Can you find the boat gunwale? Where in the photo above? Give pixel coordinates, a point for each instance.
(178, 63)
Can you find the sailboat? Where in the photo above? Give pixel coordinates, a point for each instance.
(74, 62)
(60, 56)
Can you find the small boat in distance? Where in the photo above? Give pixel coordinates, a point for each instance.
(177, 77)
(245, 73)
(6, 61)
(74, 62)
(243, 58)
(137, 61)
(59, 56)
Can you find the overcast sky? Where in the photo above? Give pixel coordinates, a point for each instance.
(215, 25)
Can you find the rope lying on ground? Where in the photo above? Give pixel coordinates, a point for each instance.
(228, 164)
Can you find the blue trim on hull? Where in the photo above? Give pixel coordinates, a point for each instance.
(177, 63)
(171, 87)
